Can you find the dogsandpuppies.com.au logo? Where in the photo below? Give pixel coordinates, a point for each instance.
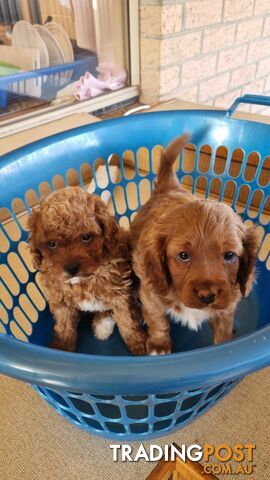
(222, 459)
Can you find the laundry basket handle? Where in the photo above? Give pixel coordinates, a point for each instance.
(254, 99)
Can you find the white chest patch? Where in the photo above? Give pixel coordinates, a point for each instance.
(73, 280)
(92, 306)
(189, 317)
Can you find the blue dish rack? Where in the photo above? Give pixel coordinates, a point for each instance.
(101, 388)
(50, 79)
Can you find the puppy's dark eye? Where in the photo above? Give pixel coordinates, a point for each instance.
(52, 245)
(183, 257)
(229, 256)
(86, 237)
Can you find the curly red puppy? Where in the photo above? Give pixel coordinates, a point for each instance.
(195, 259)
(84, 260)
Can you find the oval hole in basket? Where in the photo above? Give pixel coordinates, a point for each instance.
(201, 186)
(9, 225)
(251, 167)
(17, 332)
(114, 168)
(256, 200)
(143, 161)
(32, 199)
(205, 155)
(132, 195)
(155, 157)
(21, 212)
(22, 321)
(188, 158)
(25, 254)
(44, 189)
(101, 173)
(5, 297)
(9, 280)
(265, 248)
(35, 296)
(3, 314)
(242, 198)
(265, 215)
(28, 308)
(72, 177)
(215, 188)
(87, 177)
(229, 192)
(187, 182)
(124, 222)
(2, 329)
(129, 164)
(220, 160)
(17, 266)
(39, 283)
(106, 196)
(23, 221)
(144, 191)
(236, 162)
(58, 182)
(268, 263)
(264, 177)
(119, 200)
(4, 242)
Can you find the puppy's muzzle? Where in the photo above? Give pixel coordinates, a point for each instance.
(72, 268)
(208, 298)
(206, 295)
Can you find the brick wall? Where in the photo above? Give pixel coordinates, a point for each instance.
(207, 51)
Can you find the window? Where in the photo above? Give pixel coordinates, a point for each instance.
(63, 56)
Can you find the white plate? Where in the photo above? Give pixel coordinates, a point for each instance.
(56, 55)
(25, 35)
(63, 40)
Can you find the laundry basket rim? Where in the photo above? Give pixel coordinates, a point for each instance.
(212, 115)
(44, 366)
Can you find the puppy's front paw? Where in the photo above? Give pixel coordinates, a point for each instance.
(103, 328)
(154, 348)
(223, 337)
(136, 343)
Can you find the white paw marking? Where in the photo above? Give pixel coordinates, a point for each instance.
(104, 328)
(92, 306)
(162, 352)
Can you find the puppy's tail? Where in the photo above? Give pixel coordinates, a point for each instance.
(166, 178)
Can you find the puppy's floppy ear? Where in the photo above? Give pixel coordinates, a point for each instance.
(34, 222)
(108, 224)
(155, 266)
(246, 272)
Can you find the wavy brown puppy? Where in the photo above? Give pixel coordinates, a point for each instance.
(195, 258)
(85, 264)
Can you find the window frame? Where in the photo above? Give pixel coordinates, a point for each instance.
(51, 113)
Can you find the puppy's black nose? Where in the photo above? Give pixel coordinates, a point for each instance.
(72, 268)
(207, 299)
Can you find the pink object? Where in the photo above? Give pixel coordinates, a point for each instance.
(110, 77)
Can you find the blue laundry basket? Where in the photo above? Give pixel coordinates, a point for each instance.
(102, 388)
